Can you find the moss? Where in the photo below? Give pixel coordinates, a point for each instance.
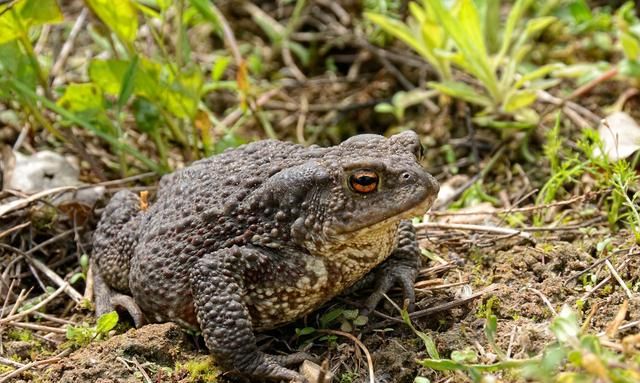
(200, 369)
(20, 334)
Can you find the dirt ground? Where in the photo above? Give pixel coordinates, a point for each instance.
(527, 282)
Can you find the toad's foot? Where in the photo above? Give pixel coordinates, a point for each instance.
(400, 268)
(272, 366)
(107, 300)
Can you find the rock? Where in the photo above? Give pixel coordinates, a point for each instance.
(312, 372)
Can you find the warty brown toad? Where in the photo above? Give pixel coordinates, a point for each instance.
(261, 235)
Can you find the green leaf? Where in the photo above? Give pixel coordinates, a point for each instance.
(630, 46)
(442, 364)
(465, 356)
(108, 74)
(361, 320)
(464, 28)
(402, 32)
(121, 18)
(146, 114)
(220, 64)
(350, 314)
(536, 25)
(181, 95)
(429, 344)
(536, 74)
(305, 331)
(204, 8)
(519, 99)
(26, 14)
(329, 317)
(565, 326)
(81, 98)
(14, 63)
(76, 277)
(107, 322)
(127, 83)
(580, 11)
(490, 14)
(384, 107)
(469, 23)
(516, 13)
(461, 91)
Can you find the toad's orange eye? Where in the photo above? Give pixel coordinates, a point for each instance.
(364, 181)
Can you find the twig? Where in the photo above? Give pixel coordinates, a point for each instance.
(55, 278)
(525, 209)
(595, 288)
(229, 37)
(69, 43)
(14, 228)
(5, 378)
(617, 277)
(44, 302)
(121, 180)
(302, 119)
(6, 298)
(544, 299)
(23, 202)
(461, 226)
(9, 362)
(360, 344)
(443, 307)
(49, 241)
(586, 88)
(38, 327)
(142, 371)
(613, 327)
(238, 112)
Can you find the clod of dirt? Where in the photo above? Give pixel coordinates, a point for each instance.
(19, 349)
(119, 359)
(395, 362)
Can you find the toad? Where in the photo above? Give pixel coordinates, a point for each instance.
(261, 235)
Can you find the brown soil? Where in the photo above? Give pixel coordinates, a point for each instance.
(521, 274)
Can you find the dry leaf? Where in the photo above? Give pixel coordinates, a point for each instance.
(620, 135)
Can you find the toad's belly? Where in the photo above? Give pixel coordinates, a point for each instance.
(271, 305)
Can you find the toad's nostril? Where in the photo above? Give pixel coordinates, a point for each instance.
(406, 176)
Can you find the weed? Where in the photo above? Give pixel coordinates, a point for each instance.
(465, 36)
(78, 336)
(84, 269)
(582, 356)
(156, 93)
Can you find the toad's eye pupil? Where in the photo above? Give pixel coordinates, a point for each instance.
(364, 181)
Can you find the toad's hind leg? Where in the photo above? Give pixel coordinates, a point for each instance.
(217, 285)
(113, 243)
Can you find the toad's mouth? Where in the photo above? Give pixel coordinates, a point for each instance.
(393, 217)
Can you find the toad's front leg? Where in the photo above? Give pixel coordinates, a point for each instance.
(400, 268)
(217, 285)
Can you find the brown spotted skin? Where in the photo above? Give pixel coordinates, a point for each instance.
(264, 234)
